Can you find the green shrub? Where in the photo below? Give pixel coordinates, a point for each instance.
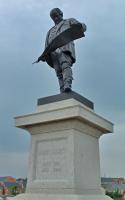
(116, 194)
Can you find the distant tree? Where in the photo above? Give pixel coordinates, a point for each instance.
(14, 190)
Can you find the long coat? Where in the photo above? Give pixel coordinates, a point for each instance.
(69, 47)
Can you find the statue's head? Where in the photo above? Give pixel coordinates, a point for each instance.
(57, 15)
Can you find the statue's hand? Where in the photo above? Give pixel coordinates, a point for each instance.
(41, 59)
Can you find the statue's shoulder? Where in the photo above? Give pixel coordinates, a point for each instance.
(73, 20)
(68, 22)
(48, 33)
(50, 29)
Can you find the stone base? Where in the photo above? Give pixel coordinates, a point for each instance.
(64, 156)
(38, 196)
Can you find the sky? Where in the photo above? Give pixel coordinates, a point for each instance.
(99, 74)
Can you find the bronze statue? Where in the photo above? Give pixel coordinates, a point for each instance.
(59, 50)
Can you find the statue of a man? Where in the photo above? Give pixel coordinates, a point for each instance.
(62, 57)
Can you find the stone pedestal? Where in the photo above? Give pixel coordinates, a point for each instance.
(64, 159)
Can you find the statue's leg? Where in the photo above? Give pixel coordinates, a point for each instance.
(66, 63)
(58, 70)
(60, 80)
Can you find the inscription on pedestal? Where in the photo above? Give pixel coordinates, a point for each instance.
(51, 159)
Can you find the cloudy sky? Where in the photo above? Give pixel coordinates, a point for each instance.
(99, 73)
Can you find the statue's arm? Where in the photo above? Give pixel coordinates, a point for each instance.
(47, 37)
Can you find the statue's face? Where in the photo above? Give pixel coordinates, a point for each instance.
(56, 17)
